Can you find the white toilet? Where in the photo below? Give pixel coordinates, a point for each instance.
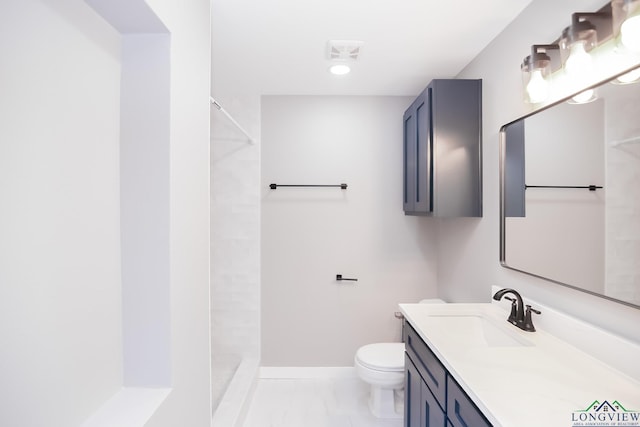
(382, 366)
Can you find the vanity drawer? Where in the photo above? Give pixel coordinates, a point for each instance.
(461, 411)
(428, 365)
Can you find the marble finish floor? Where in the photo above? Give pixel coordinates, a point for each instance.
(325, 402)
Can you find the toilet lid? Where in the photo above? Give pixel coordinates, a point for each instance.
(382, 356)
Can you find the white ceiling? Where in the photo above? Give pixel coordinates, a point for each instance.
(279, 46)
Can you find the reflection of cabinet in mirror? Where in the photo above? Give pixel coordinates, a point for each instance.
(586, 238)
(557, 219)
(442, 150)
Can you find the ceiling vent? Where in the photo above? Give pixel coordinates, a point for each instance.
(344, 50)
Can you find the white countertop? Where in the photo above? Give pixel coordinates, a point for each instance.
(541, 383)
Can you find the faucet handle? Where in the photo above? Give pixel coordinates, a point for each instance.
(514, 310)
(528, 323)
(533, 309)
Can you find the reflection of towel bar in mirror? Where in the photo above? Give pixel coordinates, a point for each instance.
(274, 186)
(587, 187)
(632, 140)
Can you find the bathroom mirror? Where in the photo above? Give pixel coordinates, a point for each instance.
(570, 193)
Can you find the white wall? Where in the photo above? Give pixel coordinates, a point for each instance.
(60, 294)
(310, 235)
(60, 256)
(468, 250)
(189, 402)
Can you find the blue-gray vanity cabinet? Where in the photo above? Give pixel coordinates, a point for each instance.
(427, 364)
(418, 156)
(432, 397)
(412, 393)
(461, 411)
(442, 164)
(421, 407)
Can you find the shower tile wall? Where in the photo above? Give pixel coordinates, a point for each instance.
(235, 242)
(623, 222)
(623, 197)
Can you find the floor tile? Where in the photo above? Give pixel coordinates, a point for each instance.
(327, 402)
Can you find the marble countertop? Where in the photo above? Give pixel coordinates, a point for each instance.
(520, 378)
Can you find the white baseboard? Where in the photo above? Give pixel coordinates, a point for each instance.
(286, 372)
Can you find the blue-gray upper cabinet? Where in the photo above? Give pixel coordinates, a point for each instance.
(443, 150)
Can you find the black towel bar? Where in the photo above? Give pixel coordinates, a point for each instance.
(274, 186)
(588, 187)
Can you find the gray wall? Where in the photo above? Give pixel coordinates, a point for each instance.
(310, 235)
(468, 249)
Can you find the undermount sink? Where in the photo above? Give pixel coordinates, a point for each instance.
(477, 330)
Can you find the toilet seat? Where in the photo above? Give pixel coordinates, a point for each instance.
(385, 357)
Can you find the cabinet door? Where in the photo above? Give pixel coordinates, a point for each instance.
(409, 159)
(461, 411)
(424, 154)
(431, 415)
(418, 156)
(421, 409)
(412, 394)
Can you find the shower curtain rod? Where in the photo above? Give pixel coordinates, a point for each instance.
(219, 107)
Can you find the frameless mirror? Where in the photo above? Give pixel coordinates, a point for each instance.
(570, 193)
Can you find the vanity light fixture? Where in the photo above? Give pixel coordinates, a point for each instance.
(536, 70)
(576, 43)
(582, 36)
(626, 17)
(630, 77)
(584, 97)
(567, 61)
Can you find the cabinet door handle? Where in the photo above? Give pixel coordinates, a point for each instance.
(339, 278)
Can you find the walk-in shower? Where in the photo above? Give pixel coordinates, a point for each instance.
(235, 265)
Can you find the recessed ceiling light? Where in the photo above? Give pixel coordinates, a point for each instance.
(339, 69)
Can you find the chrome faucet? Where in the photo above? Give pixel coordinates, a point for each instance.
(519, 316)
